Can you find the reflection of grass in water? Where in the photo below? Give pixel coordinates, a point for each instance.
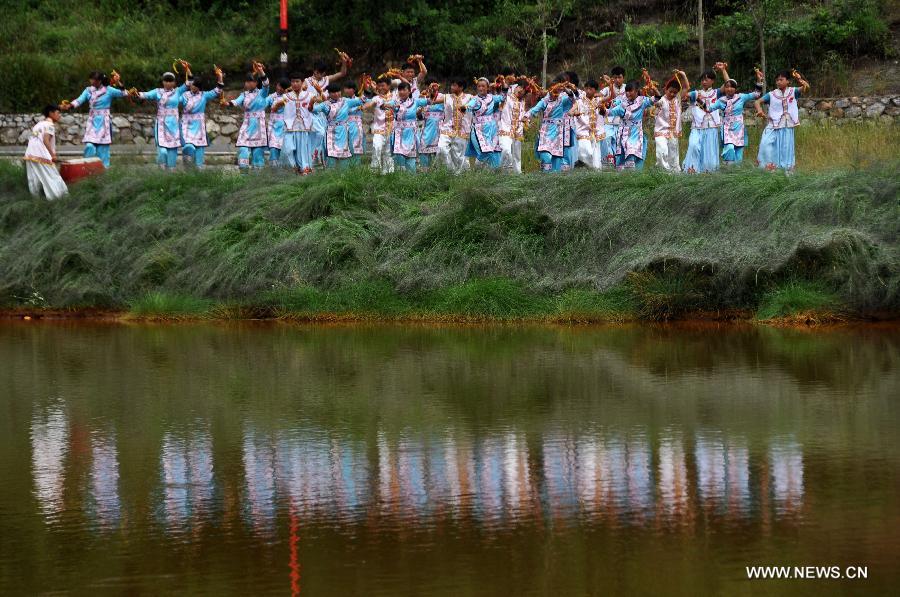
(796, 297)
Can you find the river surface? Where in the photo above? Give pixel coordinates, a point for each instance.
(388, 460)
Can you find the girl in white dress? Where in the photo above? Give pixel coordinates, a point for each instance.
(40, 156)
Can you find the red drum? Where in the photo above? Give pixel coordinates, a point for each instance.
(72, 170)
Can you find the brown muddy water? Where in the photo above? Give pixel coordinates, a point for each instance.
(498, 460)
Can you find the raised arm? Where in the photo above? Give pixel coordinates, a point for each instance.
(722, 67)
(804, 84)
(683, 83)
(423, 70)
(220, 84)
(345, 60)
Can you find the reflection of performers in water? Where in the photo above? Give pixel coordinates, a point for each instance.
(259, 479)
(49, 443)
(322, 474)
(672, 480)
(104, 503)
(187, 478)
(723, 473)
(786, 462)
(496, 479)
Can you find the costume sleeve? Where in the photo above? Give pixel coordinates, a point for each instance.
(692, 96)
(538, 108)
(618, 110)
(85, 96)
(264, 90)
(320, 108)
(472, 103)
(717, 105)
(766, 98)
(238, 101)
(212, 93)
(115, 92)
(152, 95)
(797, 91)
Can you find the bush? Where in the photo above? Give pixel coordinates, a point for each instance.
(819, 41)
(651, 45)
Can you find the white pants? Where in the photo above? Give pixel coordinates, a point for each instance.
(453, 153)
(511, 156)
(589, 153)
(45, 177)
(381, 154)
(667, 154)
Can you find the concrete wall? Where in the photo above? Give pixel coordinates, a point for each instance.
(222, 126)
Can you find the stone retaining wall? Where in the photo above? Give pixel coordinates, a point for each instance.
(222, 127)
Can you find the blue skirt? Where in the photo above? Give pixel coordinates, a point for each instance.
(776, 149)
(473, 149)
(703, 151)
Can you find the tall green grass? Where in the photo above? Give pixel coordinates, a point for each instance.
(54, 44)
(575, 247)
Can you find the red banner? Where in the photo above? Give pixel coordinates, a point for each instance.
(284, 15)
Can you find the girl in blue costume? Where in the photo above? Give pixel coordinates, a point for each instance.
(193, 119)
(275, 132)
(703, 144)
(337, 135)
(550, 145)
(355, 126)
(168, 131)
(429, 136)
(98, 129)
(609, 95)
(322, 81)
(252, 139)
(403, 140)
(630, 145)
(484, 140)
(734, 133)
(776, 147)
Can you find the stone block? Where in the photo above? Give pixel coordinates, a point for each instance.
(121, 122)
(874, 110)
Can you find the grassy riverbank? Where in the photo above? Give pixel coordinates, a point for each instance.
(584, 247)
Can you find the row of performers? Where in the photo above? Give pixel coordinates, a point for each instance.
(313, 119)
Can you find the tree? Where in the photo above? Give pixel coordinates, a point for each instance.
(540, 18)
(700, 35)
(763, 12)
